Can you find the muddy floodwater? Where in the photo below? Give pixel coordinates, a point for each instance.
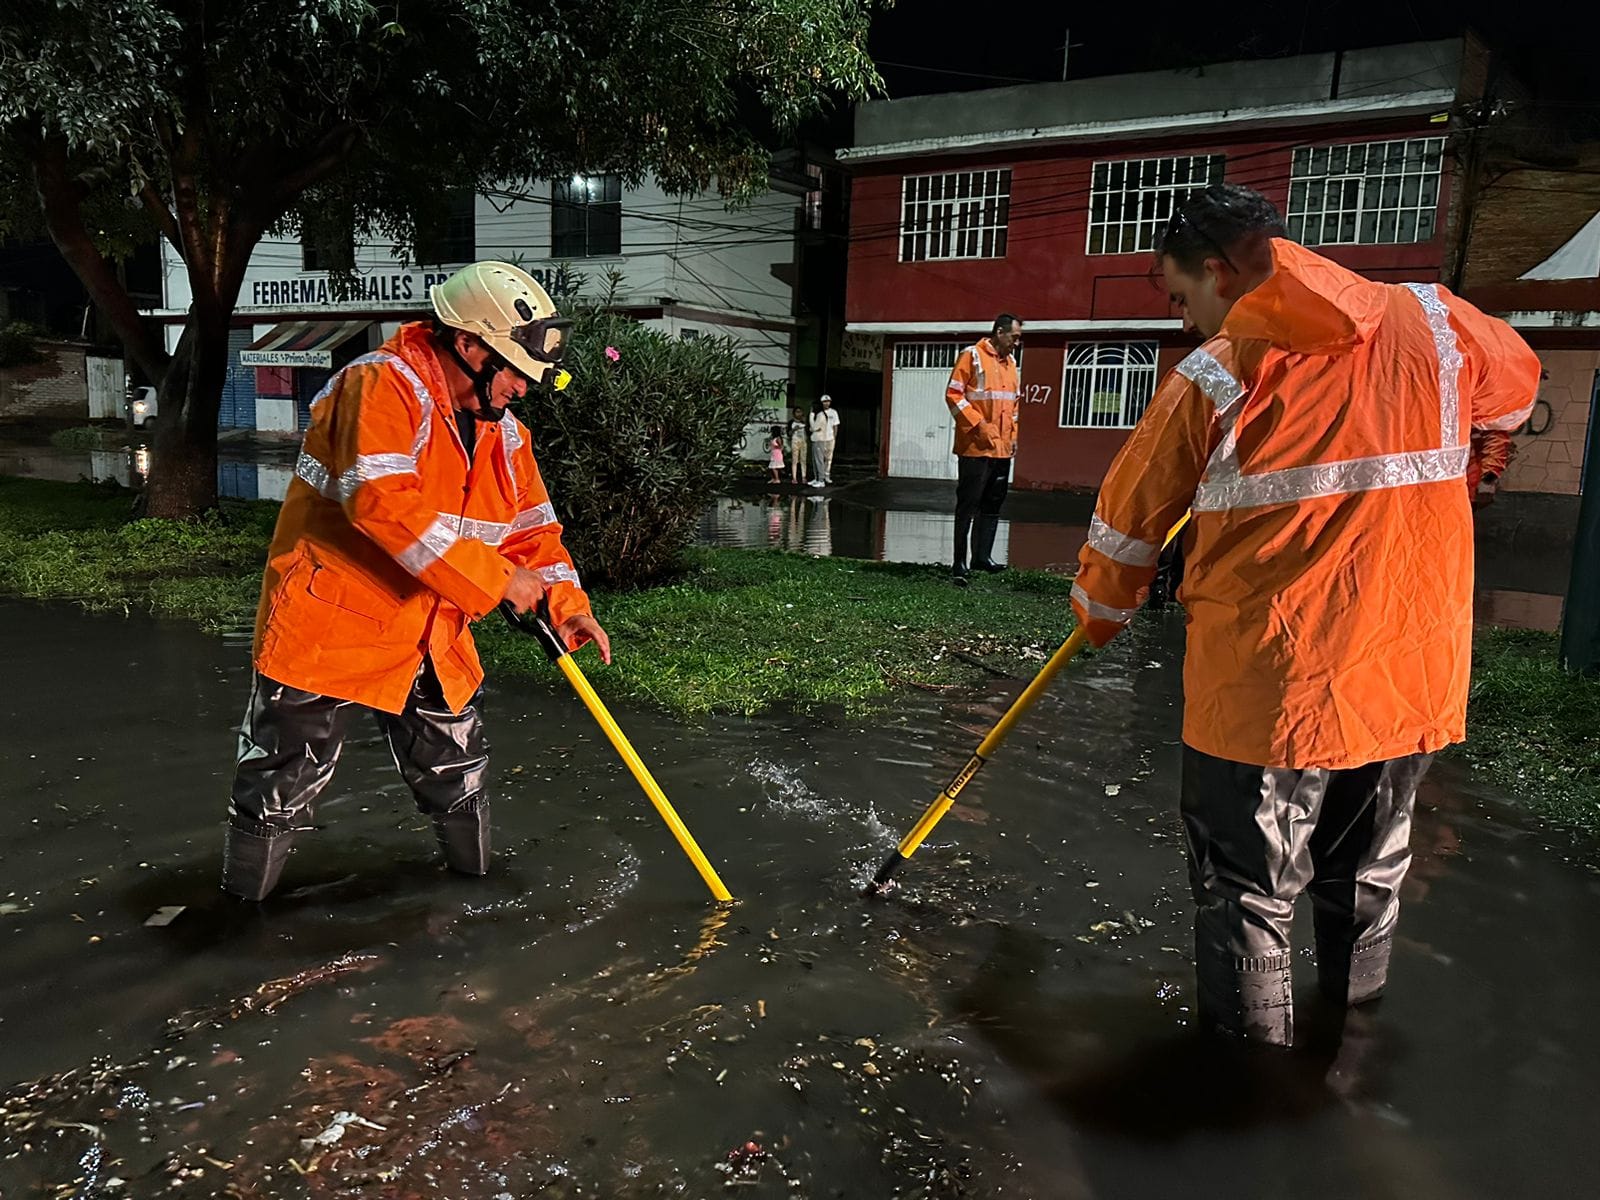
(583, 1023)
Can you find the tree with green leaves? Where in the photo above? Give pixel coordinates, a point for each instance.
(215, 122)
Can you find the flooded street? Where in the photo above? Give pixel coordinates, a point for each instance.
(583, 1023)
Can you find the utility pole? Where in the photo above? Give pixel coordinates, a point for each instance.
(1580, 623)
(1068, 46)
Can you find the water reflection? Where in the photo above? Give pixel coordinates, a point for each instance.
(129, 466)
(824, 526)
(1517, 610)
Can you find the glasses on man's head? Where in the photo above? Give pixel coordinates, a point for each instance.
(1175, 227)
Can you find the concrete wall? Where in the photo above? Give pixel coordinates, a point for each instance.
(57, 387)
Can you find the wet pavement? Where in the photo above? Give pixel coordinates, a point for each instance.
(583, 1023)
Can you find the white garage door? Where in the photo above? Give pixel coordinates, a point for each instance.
(921, 429)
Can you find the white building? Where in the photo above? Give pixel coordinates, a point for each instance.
(689, 267)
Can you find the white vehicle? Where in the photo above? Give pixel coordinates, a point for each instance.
(142, 409)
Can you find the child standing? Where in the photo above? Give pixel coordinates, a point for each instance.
(797, 447)
(775, 461)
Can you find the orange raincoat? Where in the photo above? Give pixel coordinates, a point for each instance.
(982, 395)
(1321, 441)
(389, 542)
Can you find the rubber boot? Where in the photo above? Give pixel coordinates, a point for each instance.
(1351, 975)
(253, 858)
(1248, 997)
(983, 534)
(463, 835)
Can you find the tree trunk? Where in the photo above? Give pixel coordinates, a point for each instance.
(183, 473)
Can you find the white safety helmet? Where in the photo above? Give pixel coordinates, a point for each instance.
(506, 307)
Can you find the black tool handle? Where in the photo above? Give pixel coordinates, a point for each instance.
(536, 624)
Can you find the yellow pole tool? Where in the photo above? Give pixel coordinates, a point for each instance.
(882, 881)
(538, 625)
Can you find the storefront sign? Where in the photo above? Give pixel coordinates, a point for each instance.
(396, 289)
(861, 352)
(287, 358)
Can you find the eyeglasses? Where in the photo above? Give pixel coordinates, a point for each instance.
(1175, 228)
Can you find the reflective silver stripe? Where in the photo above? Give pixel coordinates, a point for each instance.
(1448, 348)
(533, 518)
(560, 573)
(962, 405)
(435, 541)
(374, 466)
(1120, 547)
(956, 386)
(510, 443)
(369, 466)
(1226, 487)
(1509, 423)
(1332, 479)
(313, 472)
(1101, 612)
(490, 533)
(1001, 394)
(1212, 378)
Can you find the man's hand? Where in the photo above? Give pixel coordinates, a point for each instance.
(575, 631)
(1487, 487)
(525, 590)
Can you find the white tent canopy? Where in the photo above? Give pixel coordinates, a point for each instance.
(1578, 259)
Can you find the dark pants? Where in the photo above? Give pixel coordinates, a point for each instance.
(289, 745)
(1257, 837)
(981, 486)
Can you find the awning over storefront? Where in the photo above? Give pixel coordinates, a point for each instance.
(300, 344)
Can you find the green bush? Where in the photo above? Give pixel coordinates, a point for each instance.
(640, 443)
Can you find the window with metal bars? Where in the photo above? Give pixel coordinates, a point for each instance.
(1367, 193)
(1130, 202)
(963, 214)
(1107, 385)
(939, 355)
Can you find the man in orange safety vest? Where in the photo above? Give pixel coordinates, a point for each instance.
(1320, 438)
(416, 509)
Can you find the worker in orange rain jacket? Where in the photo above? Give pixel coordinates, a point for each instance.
(416, 508)
(1320, 438)
(982, 395)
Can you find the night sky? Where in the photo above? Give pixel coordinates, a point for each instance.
(939, 46)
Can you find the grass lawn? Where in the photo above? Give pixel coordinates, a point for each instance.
(744, 630)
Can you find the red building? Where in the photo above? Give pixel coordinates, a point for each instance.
(1045, 200)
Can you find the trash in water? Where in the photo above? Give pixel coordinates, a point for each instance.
(165, 915)
(336, 1128)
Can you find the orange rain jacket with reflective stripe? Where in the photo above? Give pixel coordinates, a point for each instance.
(983, 390)
(389, 542)
(1321, 440)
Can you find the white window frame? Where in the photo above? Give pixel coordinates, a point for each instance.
(1131, 200)
(955, 215)
(1086, 369)
(1366, 193)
